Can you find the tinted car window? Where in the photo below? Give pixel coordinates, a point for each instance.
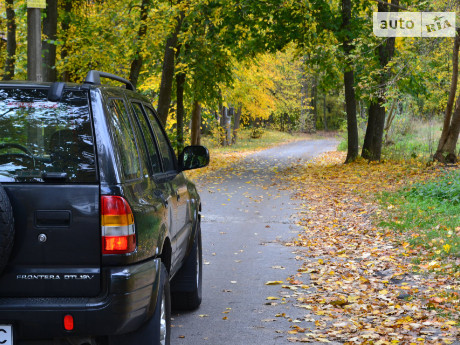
(39, 137)
(163, 145)
(125, 141)
(148, 137)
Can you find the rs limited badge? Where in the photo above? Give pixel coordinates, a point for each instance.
(54, 276)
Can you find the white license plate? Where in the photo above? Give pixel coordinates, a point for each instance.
(6, 335)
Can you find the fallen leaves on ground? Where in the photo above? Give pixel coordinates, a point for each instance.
(219, 161)
(356, 277)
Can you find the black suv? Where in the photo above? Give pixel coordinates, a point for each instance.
(99, 227)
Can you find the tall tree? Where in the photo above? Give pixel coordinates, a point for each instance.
(372, 147)
(167, 74)
(49, 44)
(348, 76)
(447, 142)
(180, 108)
(236, 124)
(196, 124)
(65, 25)
(11, 41)
(34, 44)
(136, 64)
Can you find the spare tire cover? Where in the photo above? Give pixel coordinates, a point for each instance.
(6, 228)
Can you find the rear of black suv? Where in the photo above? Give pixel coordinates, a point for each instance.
(88, 259)
(48, 168)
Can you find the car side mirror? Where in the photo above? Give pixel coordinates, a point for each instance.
(193, 157)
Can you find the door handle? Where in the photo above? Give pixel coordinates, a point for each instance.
(160, 195)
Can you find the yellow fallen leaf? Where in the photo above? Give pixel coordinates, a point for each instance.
(353, 299)
(271, 298)
(274, 282)
(446, 248)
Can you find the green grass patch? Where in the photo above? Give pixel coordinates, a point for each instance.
(408, 138)
(428, 213)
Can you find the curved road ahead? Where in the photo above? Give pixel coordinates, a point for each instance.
(246, 218)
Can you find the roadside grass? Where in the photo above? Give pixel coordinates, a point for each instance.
(428, 215)
(408, 138)
(412, 138)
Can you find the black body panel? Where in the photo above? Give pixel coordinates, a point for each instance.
(57, 243)
(128, 299)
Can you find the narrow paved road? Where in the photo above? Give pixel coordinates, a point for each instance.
(246, 219)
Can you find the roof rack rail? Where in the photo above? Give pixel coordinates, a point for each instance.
(94, 77)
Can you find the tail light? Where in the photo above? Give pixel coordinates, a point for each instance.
(68, 323)
(117, 221)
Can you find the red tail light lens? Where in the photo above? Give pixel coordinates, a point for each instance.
(117, 221)
(68, 322)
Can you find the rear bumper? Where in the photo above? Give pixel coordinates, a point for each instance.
(129, 298)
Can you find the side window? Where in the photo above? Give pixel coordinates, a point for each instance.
(149, 140)
(166, 152)
(124, 139)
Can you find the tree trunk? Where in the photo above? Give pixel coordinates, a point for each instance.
(224, 123)
(390, 119)
(379, 125)
(325, 113)
(11, 41)
(228, 125)
(136, 64)
(304, 112)
(49, 45)
(167, 74)
(372, 115)
(34, 45)
(180, 112)
(236, 124)
(352, 123)
(372, 147)
(314, 105)
(441, 150)
(65, 25)
(350, 99)
(196, 124)
(450, 145)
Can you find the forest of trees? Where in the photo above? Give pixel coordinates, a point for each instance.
(218, 65)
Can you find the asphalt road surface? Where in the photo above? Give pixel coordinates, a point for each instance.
(246, 218)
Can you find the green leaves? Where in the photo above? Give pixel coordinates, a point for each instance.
(445, 189)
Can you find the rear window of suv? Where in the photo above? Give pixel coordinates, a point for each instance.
(40, 139)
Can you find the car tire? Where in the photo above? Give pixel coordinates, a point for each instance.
(186, 287)
(6, 228)
(156, 330)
